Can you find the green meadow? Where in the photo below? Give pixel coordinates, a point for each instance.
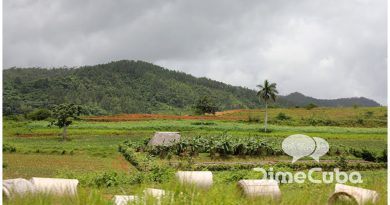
(34, 149)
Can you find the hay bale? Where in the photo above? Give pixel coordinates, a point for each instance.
(255, 188)
(55, 185)
(124, 199)
(164, 138)
(342, 197)
(360, 195)
(19, 186)
(203, 179)
(156, 193)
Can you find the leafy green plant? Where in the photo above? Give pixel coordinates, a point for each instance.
(310, 106)
(253, 118)
(9, 148)
(342, 162)
(39, 114)
(368, 156)
(383, 156)
(282, 116)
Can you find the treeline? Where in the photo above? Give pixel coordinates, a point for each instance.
(134, 87)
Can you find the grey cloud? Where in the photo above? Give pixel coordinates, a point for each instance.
(325, 49)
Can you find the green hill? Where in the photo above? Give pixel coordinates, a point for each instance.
(127, 87)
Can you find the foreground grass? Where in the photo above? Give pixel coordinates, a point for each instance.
(93, 147)
(222, 192)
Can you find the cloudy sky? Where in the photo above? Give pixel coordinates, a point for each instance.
(322, 48)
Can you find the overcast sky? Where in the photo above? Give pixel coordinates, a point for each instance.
(322, 48)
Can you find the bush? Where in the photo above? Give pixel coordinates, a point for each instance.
(138, 160)
(203, 123)
(342, 163)
(368, 156)
(369, 114)
(310, 106)
(8, 148)
(39, 114)
(282, 116)
(17, 118)
(383, 157)
(360, 121)
(205, 105)
(252, 118)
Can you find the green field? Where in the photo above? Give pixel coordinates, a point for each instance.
(91, 155)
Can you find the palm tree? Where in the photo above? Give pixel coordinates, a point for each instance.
(267, 91)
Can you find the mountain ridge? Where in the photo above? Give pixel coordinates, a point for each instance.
(134, 87)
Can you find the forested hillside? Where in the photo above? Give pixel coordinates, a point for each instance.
(128, 87)
(117, 87)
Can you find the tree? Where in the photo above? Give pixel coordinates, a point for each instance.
(39, 114)
(267, 91)
(63, 115)
(205, 105)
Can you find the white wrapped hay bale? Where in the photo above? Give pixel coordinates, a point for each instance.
(164, 138)
(203, 179)
(255, 188)
(124, 199)
(19, 186)
(360, 195)
(156, 193)
(55, 185)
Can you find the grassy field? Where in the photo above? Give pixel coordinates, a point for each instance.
(91, 155)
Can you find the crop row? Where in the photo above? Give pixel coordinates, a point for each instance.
(222, 145)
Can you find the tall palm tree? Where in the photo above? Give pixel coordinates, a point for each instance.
(267, 91)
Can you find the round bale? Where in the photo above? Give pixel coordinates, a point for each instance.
(202, 179)
(124, 199)
(256, 188)
(19, 186)
(361, 195)
(55, 185)
(156, 193)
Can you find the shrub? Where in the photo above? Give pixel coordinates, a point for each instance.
(360, 121)
(383, 157)
(9, 148)
(310, 106)
(252, 118)
(107, 179)
(160, 174)
(342, 162)
(39, 114)
(205, 105)
(203, 123)
(282, 116)
(369, 114)
(367, 155)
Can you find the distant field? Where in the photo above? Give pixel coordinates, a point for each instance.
(92, 154)
(354, 117)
